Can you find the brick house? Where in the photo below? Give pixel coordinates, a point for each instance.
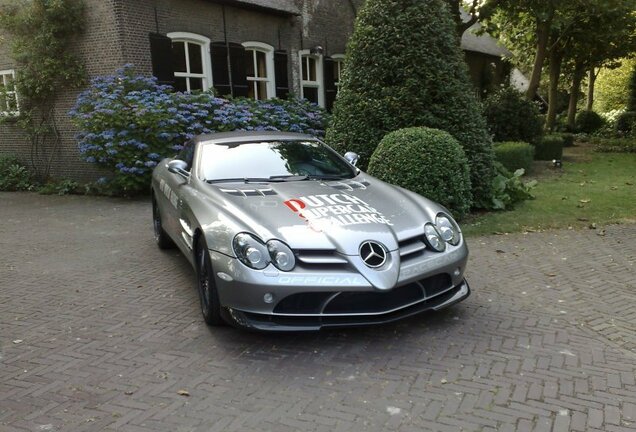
(253, 48)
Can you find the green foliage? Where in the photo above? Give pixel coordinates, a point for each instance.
(509, 189)
(404, 68)
(514, 155)
(614, 145)
(550, 148)
(42, 34)
(611, 88)
(631, 98)
(59, 187)
(512, 117)
(568, 138)
(588, 122)
(427, 161)
(13, 175)
(626, 123)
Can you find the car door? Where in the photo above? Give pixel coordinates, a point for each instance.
(172, 190)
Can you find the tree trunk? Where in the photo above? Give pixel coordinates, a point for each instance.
(543, 30)
(556, 58)
(591, 80)
(579, 73)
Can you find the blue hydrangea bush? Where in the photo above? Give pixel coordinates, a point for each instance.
(128, 123)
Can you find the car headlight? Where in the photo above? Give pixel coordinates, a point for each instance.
(281, 255)
(433, 238)
(250, 251)
(448, 229)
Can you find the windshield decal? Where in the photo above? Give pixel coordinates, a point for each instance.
(324, 211)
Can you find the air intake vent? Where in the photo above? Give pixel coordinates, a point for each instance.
(350, 185)
(249, 192)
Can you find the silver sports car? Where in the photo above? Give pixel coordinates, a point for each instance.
(285, 234)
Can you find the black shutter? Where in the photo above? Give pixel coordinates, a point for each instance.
(280, 69)
(239, 70)
(220, 69)
(161, 57)
(331, 91)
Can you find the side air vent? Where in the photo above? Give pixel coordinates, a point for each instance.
(350, 185)
(249, 192)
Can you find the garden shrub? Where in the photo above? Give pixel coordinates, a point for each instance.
(614, 145)
(59, 187)
(404, 68)
(514, 154)
(568, 138)
(512, 117)
(549, 148)
(427, 161)
(626, 123)
(14, 176)
(128, 123)
(509, 189)
(588, 122)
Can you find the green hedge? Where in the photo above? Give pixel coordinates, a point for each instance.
(626, 123)
(514, 155)
(512, 117)
(427, 161)
(568, 139)
(404, 68)
(588, 122)
(550, 148)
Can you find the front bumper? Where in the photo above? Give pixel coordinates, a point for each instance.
(313, 322)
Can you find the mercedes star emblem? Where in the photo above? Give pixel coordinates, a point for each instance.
(373, 254)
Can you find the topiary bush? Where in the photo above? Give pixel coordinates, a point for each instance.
(626, 123)
(512, 117)
(550, 148)
(568, 138)
(128, 123)
(404, 68)
(514, 155)
(14, 176)
(588, 122)
(427, 161)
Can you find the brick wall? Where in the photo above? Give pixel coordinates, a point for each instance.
(117, 33)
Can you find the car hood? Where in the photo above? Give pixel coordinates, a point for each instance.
(326, 215)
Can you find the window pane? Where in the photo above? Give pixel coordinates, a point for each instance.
(252, 89)
(11, 102)
(8, 79)
(180, 84)
(312, 68)
(249, 63)
(261, 87)
(261, 64)
(336, 71)
(178, 56)
(311, 93)
(196, 84)
(196, 63)
(305, 61)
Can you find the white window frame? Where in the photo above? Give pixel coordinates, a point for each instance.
(4, 111)
(268, 50)
(339, 59)
(204, 42)
(320, 81)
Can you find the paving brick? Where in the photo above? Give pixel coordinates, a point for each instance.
(111, 330)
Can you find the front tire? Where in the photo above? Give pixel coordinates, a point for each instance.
(161, 237)
(206, 285)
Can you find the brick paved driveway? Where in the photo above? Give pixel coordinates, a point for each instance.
(99, 330)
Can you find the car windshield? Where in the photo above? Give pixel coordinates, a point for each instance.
(272, 160)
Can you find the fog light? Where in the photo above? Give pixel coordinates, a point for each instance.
(268, 298)
(457, 272)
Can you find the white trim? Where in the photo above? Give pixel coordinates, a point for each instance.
(4, 111)
(320, 81)
(269, 64)
(204, 42)
(338, 58)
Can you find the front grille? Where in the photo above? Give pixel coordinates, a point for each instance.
(411, 248)
(367, 302)
(323, 258)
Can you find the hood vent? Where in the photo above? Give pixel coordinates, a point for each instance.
(350, 185)
(249, 192)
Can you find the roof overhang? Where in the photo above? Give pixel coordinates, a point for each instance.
(276, 7)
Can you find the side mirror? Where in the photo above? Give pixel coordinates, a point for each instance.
(180, 167)
(352, 157)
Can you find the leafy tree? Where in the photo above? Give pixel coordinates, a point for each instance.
(612, 86)
(631, 99)
(404, 68)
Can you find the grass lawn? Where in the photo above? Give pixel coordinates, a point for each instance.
(591, 188)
